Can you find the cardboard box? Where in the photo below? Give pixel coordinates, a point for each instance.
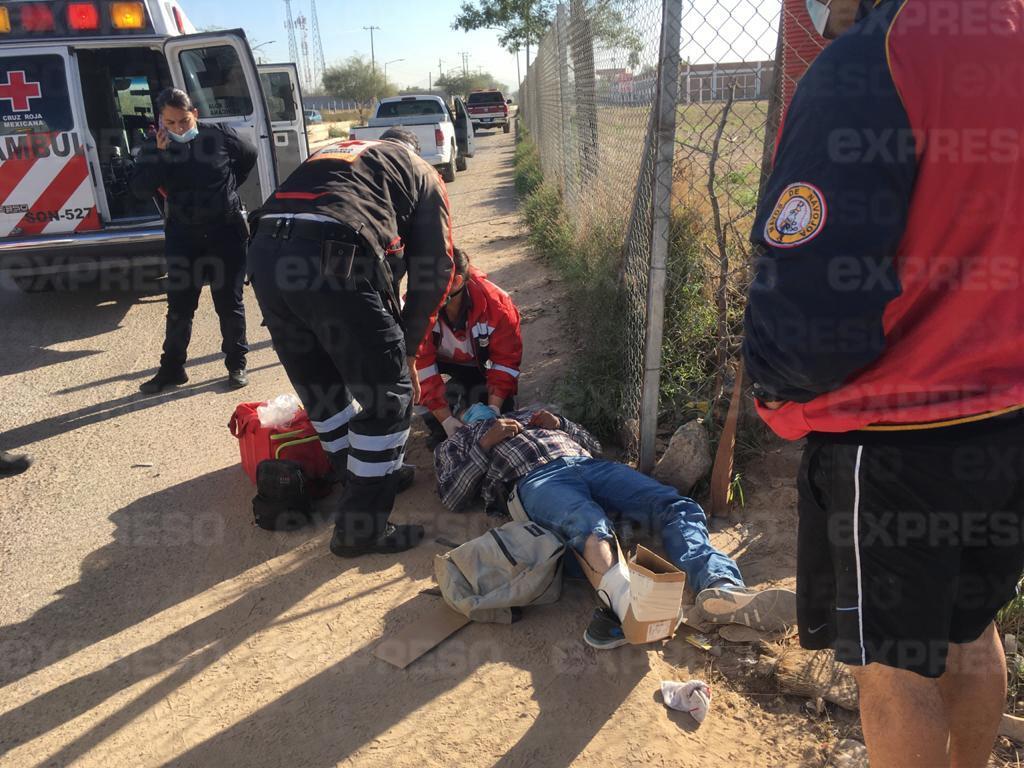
(655, 595)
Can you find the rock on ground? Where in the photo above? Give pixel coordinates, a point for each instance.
(849, 754)
(687, 458)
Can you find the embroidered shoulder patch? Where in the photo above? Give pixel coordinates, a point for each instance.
(798, 217)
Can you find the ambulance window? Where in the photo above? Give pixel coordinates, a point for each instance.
(277, 88)
(215, 80)
(134, 96)
(34, 95)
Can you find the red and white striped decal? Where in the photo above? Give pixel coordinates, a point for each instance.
(45, 187)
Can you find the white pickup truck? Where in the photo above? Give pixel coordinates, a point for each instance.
(446, 138)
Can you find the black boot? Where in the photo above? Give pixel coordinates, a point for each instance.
(163, 380)
(405, 477)
(396, 538)
(13, 463)
(238, 378)
(435, 432)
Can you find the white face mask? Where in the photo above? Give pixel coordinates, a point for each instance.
(819, 12)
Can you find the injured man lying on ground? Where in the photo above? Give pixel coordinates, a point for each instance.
(552, 463)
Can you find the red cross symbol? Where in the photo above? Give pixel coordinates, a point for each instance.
(17, 91)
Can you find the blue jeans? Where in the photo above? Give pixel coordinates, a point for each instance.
(575, 497)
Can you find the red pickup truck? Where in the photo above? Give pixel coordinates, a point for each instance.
(488, 109)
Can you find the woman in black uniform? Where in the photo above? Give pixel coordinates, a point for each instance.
(199, 166)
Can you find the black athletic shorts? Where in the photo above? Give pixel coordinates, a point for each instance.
(909, 541)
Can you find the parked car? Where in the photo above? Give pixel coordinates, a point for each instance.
(489, 109)
(313, 117)
(446, 137)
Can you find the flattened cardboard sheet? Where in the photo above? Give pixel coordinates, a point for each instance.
(420, 636)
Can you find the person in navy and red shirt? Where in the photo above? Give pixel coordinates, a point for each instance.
(477, 342)
(885, 323)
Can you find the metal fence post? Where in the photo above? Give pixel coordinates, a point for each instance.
(565, 98)
(661, 214)
(582, 40)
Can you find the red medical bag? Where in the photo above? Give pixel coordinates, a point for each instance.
(297, 442)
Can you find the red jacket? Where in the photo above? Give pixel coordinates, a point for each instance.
(887, 292)
(491, 339)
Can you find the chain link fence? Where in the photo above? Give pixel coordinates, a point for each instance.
(656, 119)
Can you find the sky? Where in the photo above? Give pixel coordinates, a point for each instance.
(419, 32)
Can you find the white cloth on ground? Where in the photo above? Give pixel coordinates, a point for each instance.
(693, 697)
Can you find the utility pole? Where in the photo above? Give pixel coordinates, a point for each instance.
(293, 48)
(465, 63)
(319, 64)
(440, 72)
(373, 61)
(373, 56)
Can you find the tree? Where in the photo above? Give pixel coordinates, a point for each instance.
(521, 22)
(455, 83)
(355, 80)
(608, 25)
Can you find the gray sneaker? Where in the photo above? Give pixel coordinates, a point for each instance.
(767, 610)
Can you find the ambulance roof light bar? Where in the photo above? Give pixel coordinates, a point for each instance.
(76, 17)
(37, 17)
(83, 16)
(128, 15)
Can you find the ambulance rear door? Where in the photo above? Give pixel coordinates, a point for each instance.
(284, 102)
(218, 72)
(45, 184)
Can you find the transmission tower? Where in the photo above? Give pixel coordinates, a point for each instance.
(319, 64)
(307, 77)
(289, 24)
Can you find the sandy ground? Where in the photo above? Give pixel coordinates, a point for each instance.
(145, 621)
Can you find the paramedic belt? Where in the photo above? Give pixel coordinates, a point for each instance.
(344, 253)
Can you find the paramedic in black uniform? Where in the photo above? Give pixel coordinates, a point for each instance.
(328, 251)
(200, 167)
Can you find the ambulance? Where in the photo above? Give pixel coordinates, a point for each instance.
(78, 85)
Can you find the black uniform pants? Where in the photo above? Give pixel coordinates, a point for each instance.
(467, 385)
(195, 258)
(344, 353)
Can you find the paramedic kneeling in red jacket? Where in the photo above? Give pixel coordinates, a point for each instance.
(477, 342)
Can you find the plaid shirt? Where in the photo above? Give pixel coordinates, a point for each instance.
(464, 469)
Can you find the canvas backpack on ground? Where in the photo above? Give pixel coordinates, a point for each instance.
(516, 565)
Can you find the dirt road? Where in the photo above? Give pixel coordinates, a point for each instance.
(145, 621)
